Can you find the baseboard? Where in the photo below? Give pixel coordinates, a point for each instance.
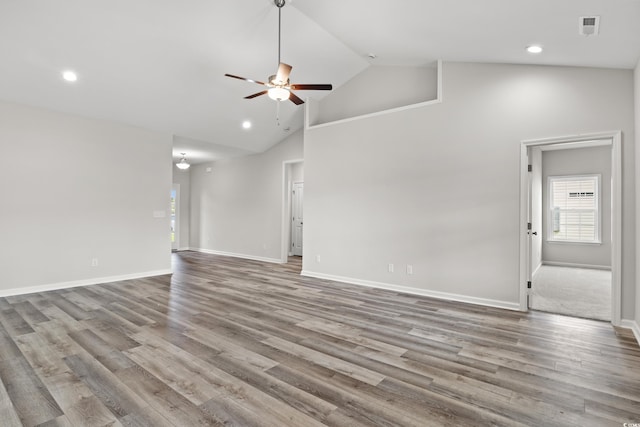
(76, 283)
(234, 255)
(183, 249)
(634, 326)
(414, 291)
(574, 265)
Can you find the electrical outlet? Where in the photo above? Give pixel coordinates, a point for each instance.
(318, 259)
(409, 269)
(94, 262)
(390, 268)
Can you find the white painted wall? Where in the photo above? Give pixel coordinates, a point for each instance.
(74, 189)
(578, 161)
(237, 207)
(437, 187)
(183, 177)
(297, 172)
(379, 88)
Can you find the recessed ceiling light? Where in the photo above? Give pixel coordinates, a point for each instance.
(534, 49)
(246, 124)
(69, 76)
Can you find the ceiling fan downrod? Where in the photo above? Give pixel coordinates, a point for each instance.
(279, 4)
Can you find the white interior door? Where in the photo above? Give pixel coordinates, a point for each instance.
(534, 216)
(529, 230)
(297, 218)
(535, 160)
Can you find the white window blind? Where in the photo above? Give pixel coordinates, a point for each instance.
(574, 209)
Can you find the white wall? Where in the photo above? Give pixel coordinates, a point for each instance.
(379, 88)
(74, 189)
(297, 172)
(237, 207)
(183, 178)
(579, 161)
(437, 187)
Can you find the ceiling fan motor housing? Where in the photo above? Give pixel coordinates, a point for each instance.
(274, 81)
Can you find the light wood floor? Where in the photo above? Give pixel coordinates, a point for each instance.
(232, 342)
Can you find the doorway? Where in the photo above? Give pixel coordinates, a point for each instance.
(571, 241)
(175, 217)
(293, 212)
(297, 219)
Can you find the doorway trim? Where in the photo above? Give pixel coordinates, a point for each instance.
(285, 227)
(616, 211)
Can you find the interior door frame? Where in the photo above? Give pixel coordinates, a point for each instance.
(616, 212)
(175, 245)
(285, 227)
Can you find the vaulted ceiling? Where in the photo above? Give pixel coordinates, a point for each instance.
(160, 64)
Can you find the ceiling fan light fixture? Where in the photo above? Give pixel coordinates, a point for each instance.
(278, 93)
(182, 164)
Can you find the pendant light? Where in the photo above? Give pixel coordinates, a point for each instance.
(182, 164)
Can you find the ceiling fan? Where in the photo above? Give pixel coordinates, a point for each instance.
(279, 86)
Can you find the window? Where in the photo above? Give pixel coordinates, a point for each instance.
(574, 209)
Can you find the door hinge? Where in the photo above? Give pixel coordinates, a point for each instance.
(530, 168)
(529, 284)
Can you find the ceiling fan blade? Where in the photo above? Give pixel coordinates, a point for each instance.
(295, 99)
(256, 95)
(282, 76)
(245, 79)
(312, 87)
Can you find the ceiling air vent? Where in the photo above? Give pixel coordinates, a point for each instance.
(588, 25)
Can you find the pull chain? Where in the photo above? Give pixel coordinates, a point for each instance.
(278, 112)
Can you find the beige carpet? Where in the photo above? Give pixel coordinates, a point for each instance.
(580, 292)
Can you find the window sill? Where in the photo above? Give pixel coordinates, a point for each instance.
(574, 242)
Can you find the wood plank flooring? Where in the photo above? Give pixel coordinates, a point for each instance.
(225, 341)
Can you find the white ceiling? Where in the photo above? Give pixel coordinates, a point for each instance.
(160, 64)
